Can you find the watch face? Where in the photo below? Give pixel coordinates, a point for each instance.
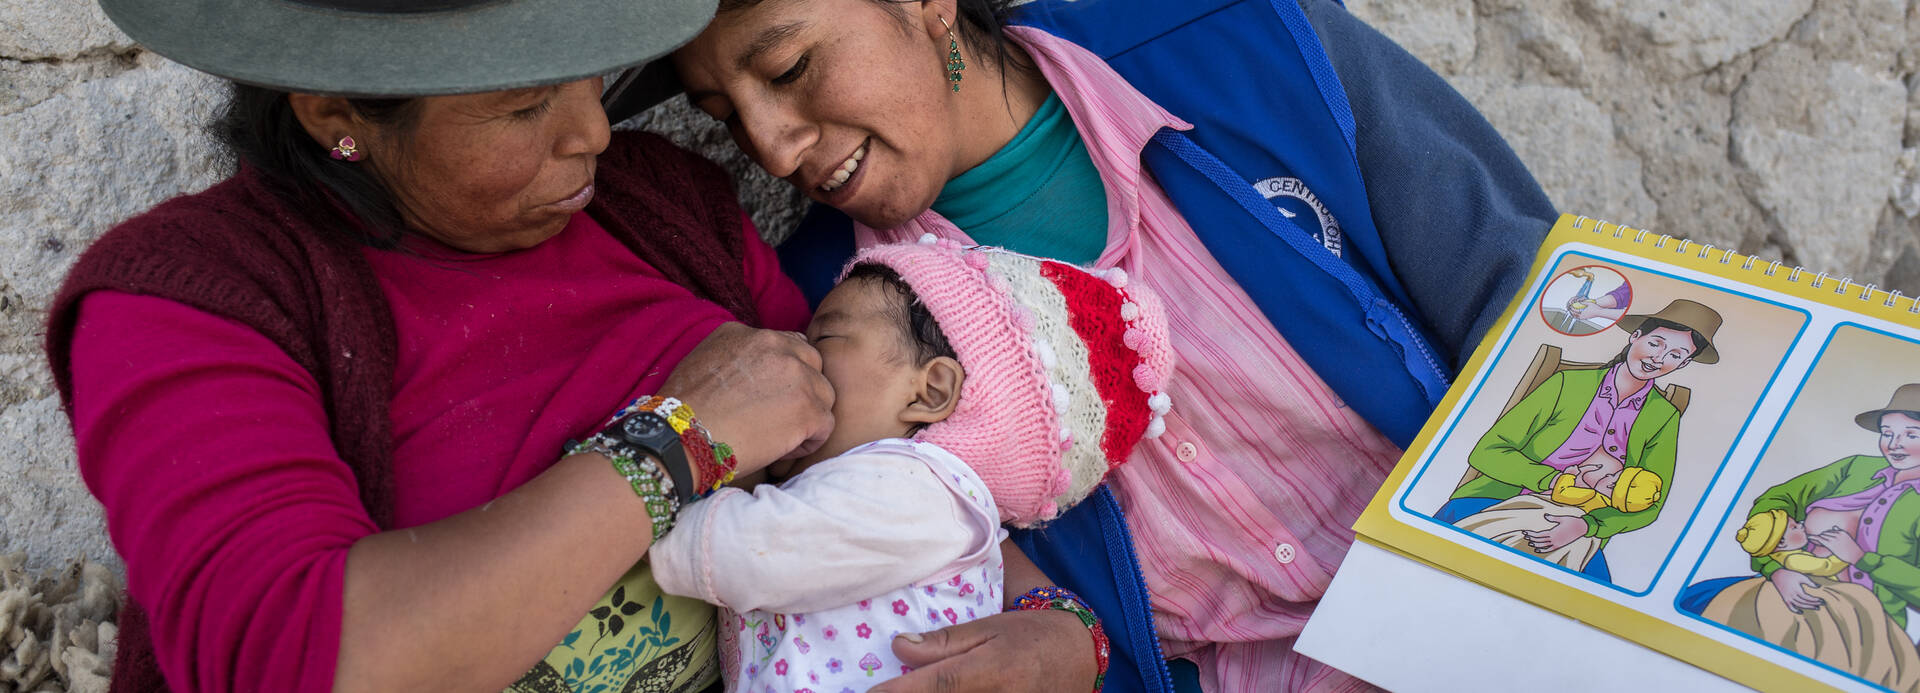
(643, 427)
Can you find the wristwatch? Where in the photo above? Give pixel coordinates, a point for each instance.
(648, 434)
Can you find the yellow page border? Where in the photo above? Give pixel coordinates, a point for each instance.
(1378, 527)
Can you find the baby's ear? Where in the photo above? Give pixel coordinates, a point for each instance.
(939, 392)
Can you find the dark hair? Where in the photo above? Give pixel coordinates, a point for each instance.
(918, 330)
(259, 129)
(1649, 325)
(981, 23)
(1915, 415)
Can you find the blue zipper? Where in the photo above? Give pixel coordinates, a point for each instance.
(1119, 540)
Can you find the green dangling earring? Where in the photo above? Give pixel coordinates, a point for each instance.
(954, 63)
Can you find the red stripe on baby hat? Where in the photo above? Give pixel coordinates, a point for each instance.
(1093, 309)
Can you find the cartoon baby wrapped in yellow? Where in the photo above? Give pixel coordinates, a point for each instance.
(1632, 489)
(1775, 534)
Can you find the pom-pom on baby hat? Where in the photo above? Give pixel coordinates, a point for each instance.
(1064, 368)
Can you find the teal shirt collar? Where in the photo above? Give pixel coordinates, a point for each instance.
(1039, 195)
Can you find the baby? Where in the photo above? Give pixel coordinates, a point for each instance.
(1606, 484)
(972, 387)
(1776, 535)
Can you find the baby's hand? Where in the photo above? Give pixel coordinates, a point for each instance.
(1589, 475)
(1598, 467)
(1606, 483)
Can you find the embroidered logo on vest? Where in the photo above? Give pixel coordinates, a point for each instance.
(1291, 196)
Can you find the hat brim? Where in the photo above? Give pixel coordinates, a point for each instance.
(492, 46)
(1871, 420)
(1707, 354)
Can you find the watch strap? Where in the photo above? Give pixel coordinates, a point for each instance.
(697, 464)
(667, 448)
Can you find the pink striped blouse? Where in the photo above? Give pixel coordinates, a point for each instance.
(1242, 511)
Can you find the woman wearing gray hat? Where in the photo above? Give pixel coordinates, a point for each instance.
(329, 403)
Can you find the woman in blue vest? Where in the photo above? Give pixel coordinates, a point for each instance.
(1336, 225)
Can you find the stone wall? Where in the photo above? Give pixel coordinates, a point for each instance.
(1785, 128)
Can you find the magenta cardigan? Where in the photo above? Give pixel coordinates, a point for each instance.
(216, 451)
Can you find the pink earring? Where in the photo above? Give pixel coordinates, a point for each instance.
(346, 149)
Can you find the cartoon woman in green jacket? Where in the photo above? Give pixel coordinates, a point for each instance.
(1552, 468)
(1861, 512)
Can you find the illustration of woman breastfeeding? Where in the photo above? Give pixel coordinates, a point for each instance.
(1587, 454)
(1836, 551)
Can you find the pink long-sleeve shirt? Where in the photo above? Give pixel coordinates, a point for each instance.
(208, 445)
(1243, 509)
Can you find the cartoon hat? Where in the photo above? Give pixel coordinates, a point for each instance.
(1906, 400)
(1762, 533)
(1064, 368)
(1637, 489)
(1702, 320)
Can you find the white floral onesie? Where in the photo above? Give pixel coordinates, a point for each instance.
(819, 573)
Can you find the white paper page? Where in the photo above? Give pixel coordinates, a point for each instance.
(1404, 626)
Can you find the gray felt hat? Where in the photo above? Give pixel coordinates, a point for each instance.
(1692, 315)
(1906, 400)
(409, 47)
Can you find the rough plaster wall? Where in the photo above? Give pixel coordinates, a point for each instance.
(1787, 128)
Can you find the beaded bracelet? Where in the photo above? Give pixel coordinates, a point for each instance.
(713, 461)
(1062, 599)
(649, 481)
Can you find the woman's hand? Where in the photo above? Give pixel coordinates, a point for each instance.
(1044, 650)
(1566, 528)
(1793, 588)
(759, 391)
(1603, 307)
(1840, 543)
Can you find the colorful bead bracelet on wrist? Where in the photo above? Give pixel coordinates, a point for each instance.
(713, 461)
(649, 481)
(1062, 599)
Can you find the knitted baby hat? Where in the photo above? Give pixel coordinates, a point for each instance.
(1063, 365)
(1763, 531)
